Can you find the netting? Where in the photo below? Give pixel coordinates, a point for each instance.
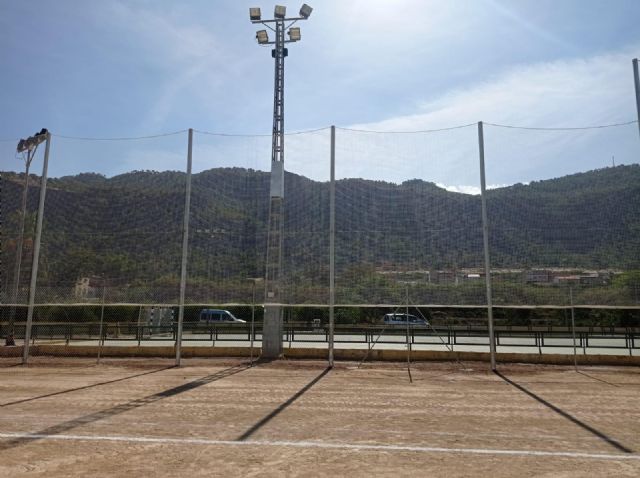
(230, 214)
(113, 221)
(227, 231)
(567, 226)
(305, 255)
(408, 218)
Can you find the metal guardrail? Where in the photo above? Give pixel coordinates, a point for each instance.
(626, 339)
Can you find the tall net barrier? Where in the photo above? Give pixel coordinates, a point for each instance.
(305, 242)
(113, 221)
(229, 219)
(111, 234)
(408, 218)
(564, 218)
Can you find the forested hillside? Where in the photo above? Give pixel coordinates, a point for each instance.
(128, 227)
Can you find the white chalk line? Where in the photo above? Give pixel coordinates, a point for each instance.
(325, 445)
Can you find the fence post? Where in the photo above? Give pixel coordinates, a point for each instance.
(138, 325)
(573, 329)
(636, 78)
(185, 245)
(485, 237)
(100, 340)
(332, 245)
(36, 252)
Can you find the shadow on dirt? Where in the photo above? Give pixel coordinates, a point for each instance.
(568, 416)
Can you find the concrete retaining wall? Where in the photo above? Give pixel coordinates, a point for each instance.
(321, 354)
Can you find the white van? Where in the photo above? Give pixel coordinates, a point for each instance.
(402, 319)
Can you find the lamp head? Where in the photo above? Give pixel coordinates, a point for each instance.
(305, 10)
(294, 34)
(254, 14)
(262, 37)
(280, 11)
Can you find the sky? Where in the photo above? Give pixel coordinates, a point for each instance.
(138, 68)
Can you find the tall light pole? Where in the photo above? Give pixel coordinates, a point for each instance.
(272, 325)
(28, 148)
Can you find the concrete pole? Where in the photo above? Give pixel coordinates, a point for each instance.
(332, 244)
(36, 252)
(185, 247)
(637, 83)
(485, 237)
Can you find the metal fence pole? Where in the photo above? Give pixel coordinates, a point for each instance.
(636, 78)
(573, 329)
(406, 297)
(100, 341)
(332, 245)
(36, 252)
(138, 334)
(485, 237)
(253, 320)
(185, 246)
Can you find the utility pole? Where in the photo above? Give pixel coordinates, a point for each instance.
(36, 247)
(272, 326)
(28, 148)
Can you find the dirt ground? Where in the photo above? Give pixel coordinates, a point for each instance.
(71, 417)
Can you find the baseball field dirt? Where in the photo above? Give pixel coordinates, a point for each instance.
(221, 417)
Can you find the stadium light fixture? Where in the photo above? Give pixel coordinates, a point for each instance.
(32, 142)
(272, 328)
(280, 11)
(262, 37)
(305, 11)
(28, 146)
(294, 34)
(254, 14)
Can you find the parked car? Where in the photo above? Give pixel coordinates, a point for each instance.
(401, 319)
(208, 316)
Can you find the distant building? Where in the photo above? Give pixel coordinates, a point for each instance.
(570, 279)
(87, 288)
(539, 276)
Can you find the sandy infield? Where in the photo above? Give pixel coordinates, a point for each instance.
(214, 417)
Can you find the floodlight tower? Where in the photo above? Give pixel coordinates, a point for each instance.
(272, 325)
(26, 147)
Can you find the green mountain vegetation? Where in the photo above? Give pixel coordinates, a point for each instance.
(128, 228)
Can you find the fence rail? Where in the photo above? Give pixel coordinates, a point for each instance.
(620, 340)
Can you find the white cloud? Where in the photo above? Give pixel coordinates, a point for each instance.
(557, 94)
(474, 190)
(567, 93)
